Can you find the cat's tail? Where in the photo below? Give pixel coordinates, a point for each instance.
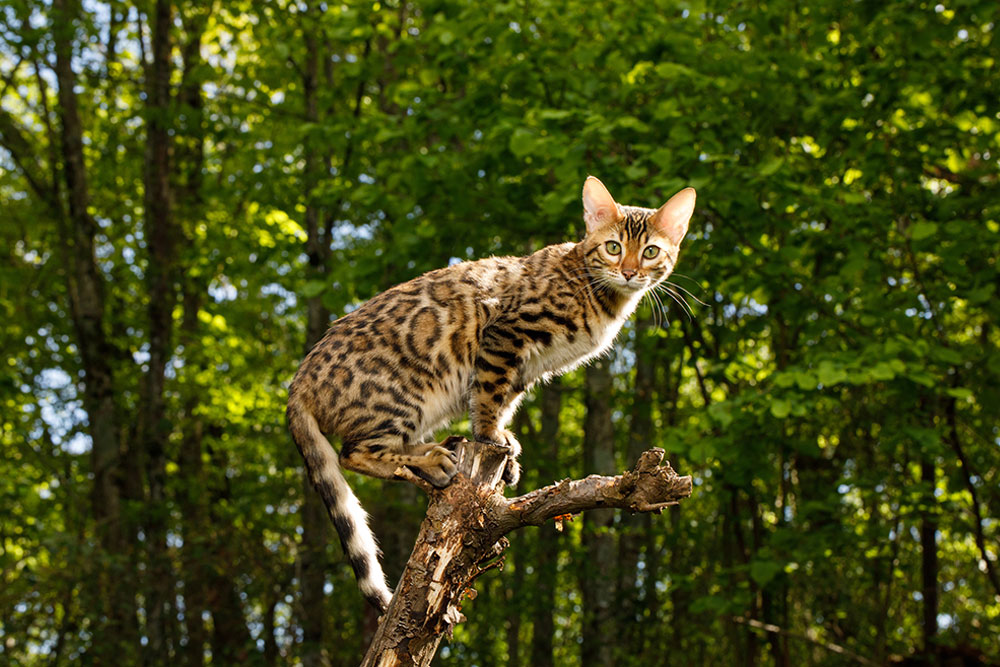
(349, 518)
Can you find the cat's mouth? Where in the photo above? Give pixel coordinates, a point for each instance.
(631, 286)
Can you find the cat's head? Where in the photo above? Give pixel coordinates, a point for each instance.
(628, 248)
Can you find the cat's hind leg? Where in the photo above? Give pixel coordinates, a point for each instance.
(382, 456)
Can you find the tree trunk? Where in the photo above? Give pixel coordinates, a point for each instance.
(315, 520)
(161, 245)
(462, 537)
(633, 529)
(208, 556)
(510, 593)
(191, 501)
(116, 625)
(929, 559)
(600, 630)
(546, 562)
(395, 519)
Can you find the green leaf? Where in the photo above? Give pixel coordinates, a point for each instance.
(523, 142)
(635, 172)
(923, 230)
(785, 380)
(763, 571)
(702, 450)
(720, 412)
(829, 374)
(946, 355)
(805, 380)
(781, 408)
(313, 288)
(554, 114)
(770, 166)
(882, 371)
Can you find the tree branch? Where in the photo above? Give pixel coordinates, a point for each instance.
(649, 487)
(464, 530)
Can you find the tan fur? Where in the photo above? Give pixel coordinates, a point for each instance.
(474, 336)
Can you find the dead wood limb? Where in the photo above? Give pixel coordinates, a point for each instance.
(464, 530)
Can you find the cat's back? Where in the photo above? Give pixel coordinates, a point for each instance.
(413, 344)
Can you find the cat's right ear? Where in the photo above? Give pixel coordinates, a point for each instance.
(599, 207)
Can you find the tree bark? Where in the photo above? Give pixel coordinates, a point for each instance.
(315, 521)
(118, 627)
(929, 559)
(462, 537)
(160, 272)
(192, 503)
(597, 582)
(546, 562)
(633, 529)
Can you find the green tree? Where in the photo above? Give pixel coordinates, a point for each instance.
(189, 191)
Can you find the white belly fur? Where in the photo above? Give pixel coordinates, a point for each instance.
(562, 356)
(447, 402)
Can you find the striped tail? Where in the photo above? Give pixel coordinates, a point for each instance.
(348, 516)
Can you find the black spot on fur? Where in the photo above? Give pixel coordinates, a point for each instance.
(484, 365)
(345, 528)
(537, 335)
(369, 388)
(390, 410)
(360, 566)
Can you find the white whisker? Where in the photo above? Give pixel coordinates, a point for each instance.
(673, 284)
(680, 302)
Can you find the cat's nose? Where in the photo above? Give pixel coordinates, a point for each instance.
(628, 274)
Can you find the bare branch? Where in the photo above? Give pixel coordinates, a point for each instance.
(462, 537)
(649, 487)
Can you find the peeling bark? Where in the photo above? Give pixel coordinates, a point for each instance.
(463, 533)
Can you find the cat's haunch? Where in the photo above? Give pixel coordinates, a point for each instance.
(474, 336)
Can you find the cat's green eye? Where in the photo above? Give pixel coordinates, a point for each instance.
(613, 247)
(650, 252)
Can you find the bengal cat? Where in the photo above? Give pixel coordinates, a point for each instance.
(473, 336)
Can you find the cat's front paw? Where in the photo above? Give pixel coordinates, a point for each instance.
(511, 442)
(438, 467)
(501, 438)
(512, 469)
(511, 472)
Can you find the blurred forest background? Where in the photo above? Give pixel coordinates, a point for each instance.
(191, 190)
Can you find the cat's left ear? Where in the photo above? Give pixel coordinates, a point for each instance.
(672, 218)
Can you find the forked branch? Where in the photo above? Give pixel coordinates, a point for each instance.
(465, 527)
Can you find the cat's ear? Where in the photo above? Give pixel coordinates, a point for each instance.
(672, 218)
(599, 207)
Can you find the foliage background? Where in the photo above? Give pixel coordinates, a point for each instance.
(189, 190)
